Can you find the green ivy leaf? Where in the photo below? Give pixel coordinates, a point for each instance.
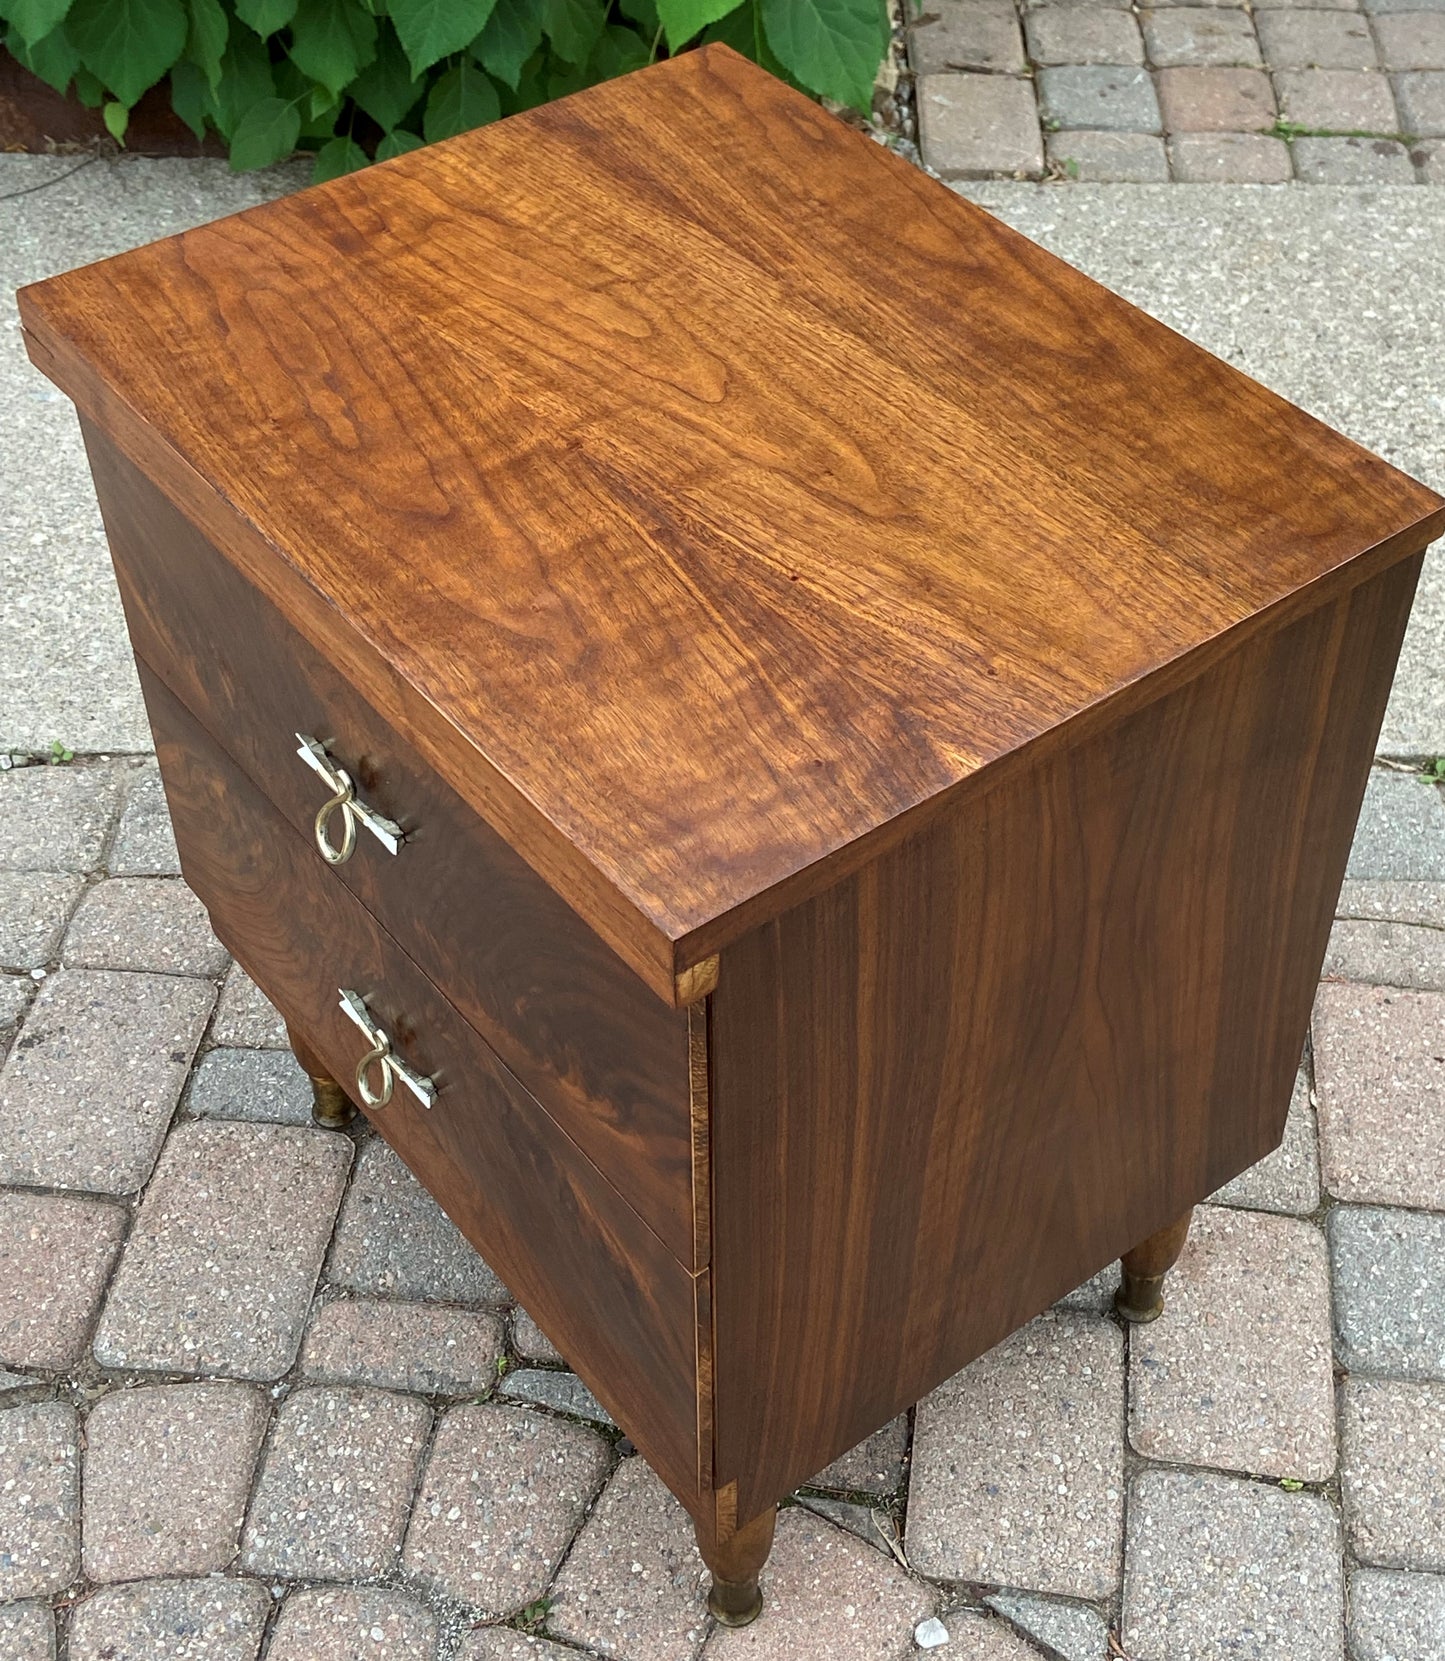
(833, 46)
(266, 133)
(191, 97)
(33, 20)
(573, 27)
(513, 33)
(127, 44)
(266, 16)
(462, 99)
(644, 14)
(564, 79)
(53, 59)
(387, 90)
(332, 41)
(206, 42)
(89, 89)
(433, 29)
(341, 155)
(246, 78)
(682, 19)
(618, 50)
(396, 143)
(116, 118)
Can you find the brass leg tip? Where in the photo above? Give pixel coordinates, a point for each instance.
(330, 1109)
(734, 1605)
(1140, 1302)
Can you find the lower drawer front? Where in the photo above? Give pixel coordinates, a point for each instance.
(603, 1286)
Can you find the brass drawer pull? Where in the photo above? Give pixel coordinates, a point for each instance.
(381, 1056)
(339, 781)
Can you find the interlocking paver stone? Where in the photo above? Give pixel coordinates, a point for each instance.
(55, 1253)
(11, 1382)
(530, 1342)
(145, 844)
(1100, 97)
(33, 908)
(1412, 40)
(1109, 158)
(1215, 100)
(39, 1500)
(503, 1491)
(1082, 34)
(1386, 954)
(1381, 7)
(1389, 1278)
(980, 1639)
(1221, 1566)
(857, 1519)
(824, 1584)
(225, 1251)
(1392, 1471)
(967, 34)
(167, 1471)
(634, 1584)
(403, 1346)
(1018, 1463)
(1199, 36)
(1096, 1295)
(393, 1238)
(1339, 100)
(264, 1086)
(1421, 904)
(1429, 159)
(505, 1643)
(875, 1466)
(1396, 1617)
(1230, 158)
(1401, 831)
(1380, 1066)
(89, 1087)
(245, 1017)
(1421, 96)
(1070, 1630)
(1237, 1373)
(336, 1484)
(972, 125)
(57, 818)
(1289, 1178)
(1316, 40)
(27, 1632)
(16, 991)
(143, 923)
(171, 1620)
(548, 1387)
(353, 1624)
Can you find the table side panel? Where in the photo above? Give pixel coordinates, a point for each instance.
(956, 1085)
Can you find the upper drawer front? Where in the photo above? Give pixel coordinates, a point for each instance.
(607, 1058)
(606, 1288)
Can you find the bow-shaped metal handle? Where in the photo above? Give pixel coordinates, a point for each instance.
(345, 801)
(381, 1055)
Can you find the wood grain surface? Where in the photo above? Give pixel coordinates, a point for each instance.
(706, 494)
(953, 1087)
(602, 1285)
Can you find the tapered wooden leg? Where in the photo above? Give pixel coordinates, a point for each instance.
(329, 1105)
(735, 1597)
(1140, 1297)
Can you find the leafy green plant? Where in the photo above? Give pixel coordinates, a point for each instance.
(362, 80)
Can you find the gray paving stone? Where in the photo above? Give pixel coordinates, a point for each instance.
(1337, 100)
(1392, 1472)
(353, 1624)
(245, 1018)
(1018, 1464)
(336, 1485)
(1412, 40)
(1421, 97)
(55, 1254)
(145, 844)
(633, 1584)
(1381, 7)
(1429, 159)
(1289, 1178)
(1389, 1280)
(1200, 36)
(505, 1643)
(88, 1089)
(530, 1342)
(1127, 158)
(34, 906)
(1380, 1066)
(16, 991)
(1082, 34)
(1308, 5)
(167, 1471)
(1418, 904)
(875, 1466)
(970, 126)
(502, 1494)
(262, 1086)
(1237, 1373)
(1221, 1566)
(1396, 1617)
(1316, 40)
(403, 1346)
(12, 1382)
(1401, 831)
(562, 1392)
(1230, 158)
(1098, 97)
(823, 1585)
(39, 1500)
(225, 1251)
(1386, 954)
(983, 1638)
(1070, 1630)
(27, 1632)
(1209, 100)
(1352, 161)
(171, 1620)
(57, 818)
(967, 34)
(144, 923)
(1096, 1295)
(394, 1239)
(860, 1520)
